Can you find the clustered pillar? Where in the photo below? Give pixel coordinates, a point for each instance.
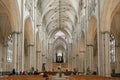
(90, 57)
(107, 54)
(82, 61)
(15, 48)
(17, 56)
(104, 56)
(5, 57)
(30, 54)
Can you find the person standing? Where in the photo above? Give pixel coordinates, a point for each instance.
(13, 72)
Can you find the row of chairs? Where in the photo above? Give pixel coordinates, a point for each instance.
(91, 77)
(74, 77)
(25, 77)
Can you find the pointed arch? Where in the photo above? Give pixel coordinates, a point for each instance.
(92, 30)
(29, 33)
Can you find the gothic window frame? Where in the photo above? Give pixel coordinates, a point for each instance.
(59, 56)
(112, 48)
(9, 48)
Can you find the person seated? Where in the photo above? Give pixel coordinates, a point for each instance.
(20, 73)
(75, 71)
(23, 73)
(36, 72)
(66, 70)
(45, 75)
(94, 73)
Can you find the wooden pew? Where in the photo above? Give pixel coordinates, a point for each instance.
(25, 77)
(40, 77)
(91, 77)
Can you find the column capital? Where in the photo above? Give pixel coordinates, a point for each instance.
(105, 32)
(38, 25)
(30, 45)
(43, 55)
(73, 57)
(77, 54)
(38, 51)
(82, 51)
(89, 45)
(16, 32)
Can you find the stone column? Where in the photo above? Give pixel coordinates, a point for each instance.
(117, 58)
(104, 67)
(73, 57)
(30, 56)
(50, 57)
(21, 28)
(15, 52)
(47, 53)
(87, 59)
(82, 61)
(73, 62)
(107, 54)
(43, 61)
(69, 56)
(5, 57)
(70, 64)
(1, 63)
(38, 60)
(101, 53)
(20, 56)
(26, 60)
(34, 16)
(77, 61)
(90, 56)
(17, 55)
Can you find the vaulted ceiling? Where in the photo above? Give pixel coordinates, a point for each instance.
(4, 21)
(59, 15)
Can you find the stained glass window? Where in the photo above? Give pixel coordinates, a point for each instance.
(112, 49)
(9, 48)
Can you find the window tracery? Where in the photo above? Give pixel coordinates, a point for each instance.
(9, 48)
(112, 49)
